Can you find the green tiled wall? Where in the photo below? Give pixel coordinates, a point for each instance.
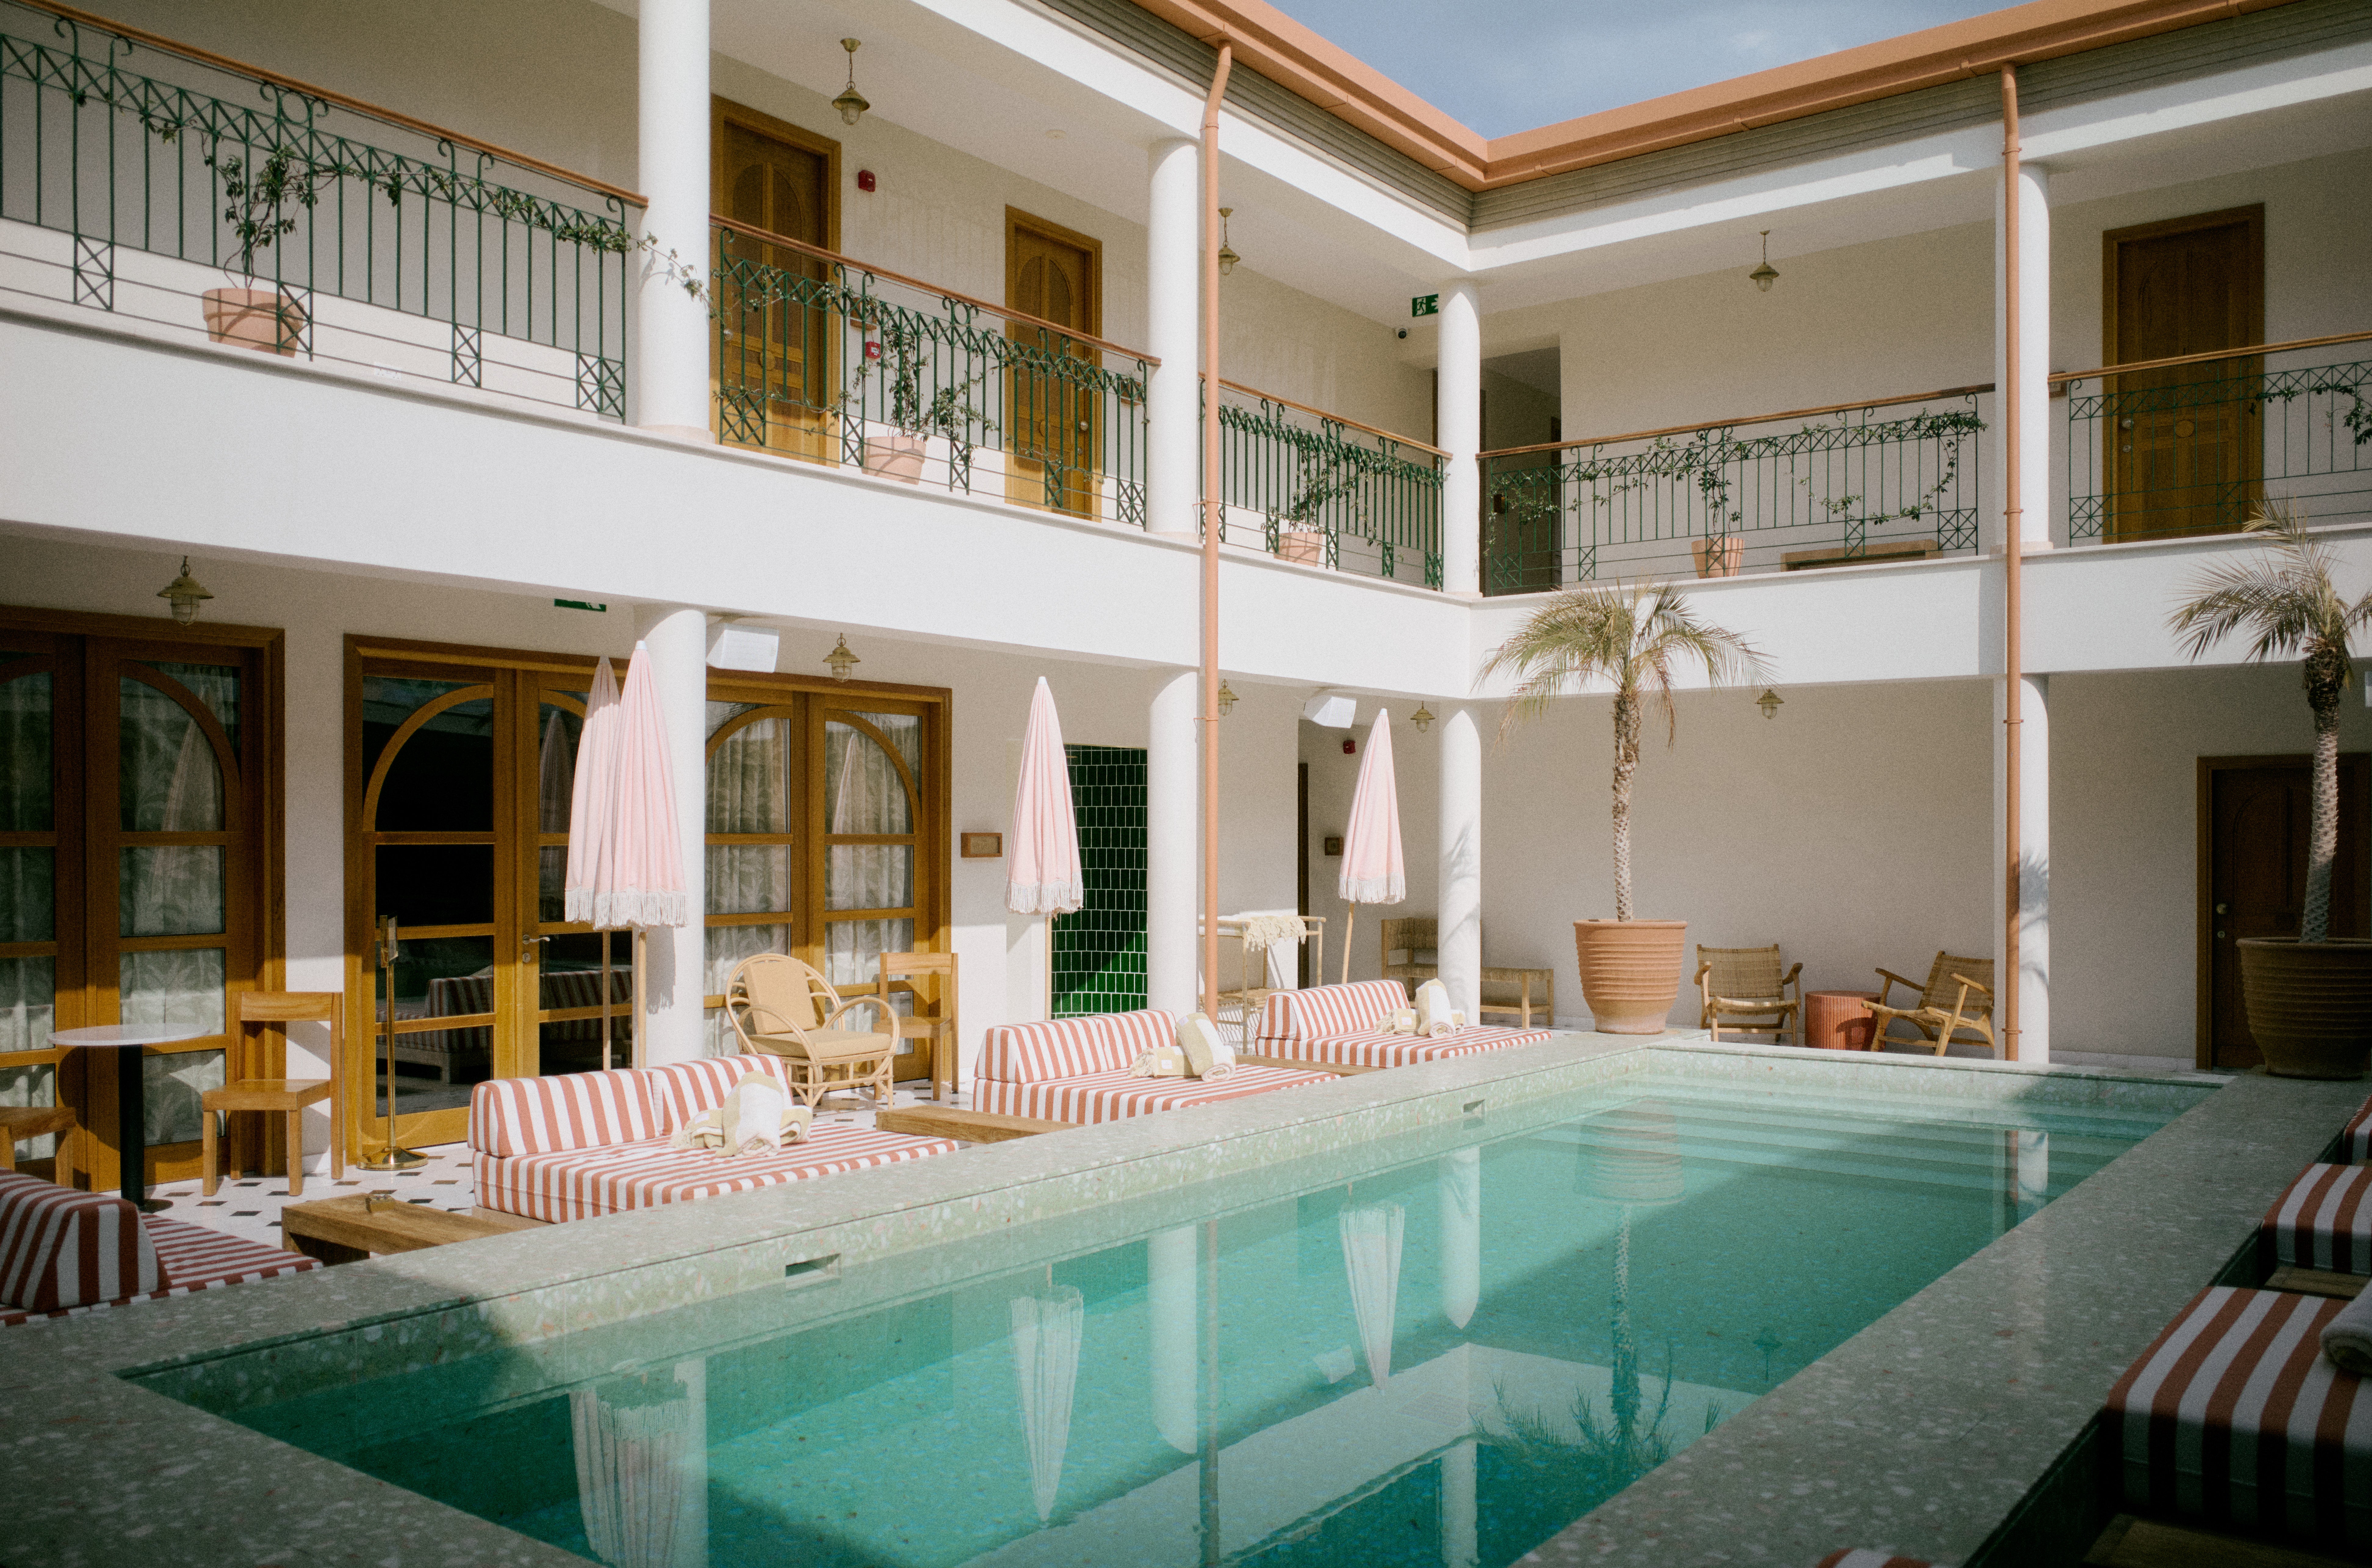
(1099, 947)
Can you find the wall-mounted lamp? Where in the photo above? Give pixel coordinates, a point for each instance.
(1422, 718)
(1228, 257)
(841, 659)
(1227, 700)
(185, 593)
(1769, 702)
(851, 103)
(1764, 275)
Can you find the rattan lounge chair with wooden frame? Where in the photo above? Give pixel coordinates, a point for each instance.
(1745, 988)
(1943, 1013)
(784, 1006)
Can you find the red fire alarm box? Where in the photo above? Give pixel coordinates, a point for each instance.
(864, 180)
(1350, 748)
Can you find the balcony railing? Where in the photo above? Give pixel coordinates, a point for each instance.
(164, 184)
(2193, 444)
(1891, 479)
(826, 359)
(1309, 486)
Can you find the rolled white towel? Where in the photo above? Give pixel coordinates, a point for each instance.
(1431, 1007)
(2347, 1339)
(1208, 1054)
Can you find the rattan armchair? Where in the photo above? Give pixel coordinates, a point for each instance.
(1745, 988)
(784, 1007)
(1942, 1014)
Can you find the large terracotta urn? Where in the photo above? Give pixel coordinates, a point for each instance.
(1630, 971)
(262, 319)
(2309, 1004)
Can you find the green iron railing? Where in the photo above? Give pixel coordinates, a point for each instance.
(362, 239)
(1845, 484)
(823, 358)
(2195, 447)
(1312, 487)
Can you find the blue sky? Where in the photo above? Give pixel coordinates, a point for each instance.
(1506, 65)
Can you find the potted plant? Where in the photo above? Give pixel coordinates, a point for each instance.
(264, 318)
(2309, 997)
(1629, 636)
(949, 413)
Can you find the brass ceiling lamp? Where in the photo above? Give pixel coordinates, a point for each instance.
(851, 103)
(1769, 702)
(841, 659)
(1228, 257)
(1764, 275)
(1422, 718)
(185, 593)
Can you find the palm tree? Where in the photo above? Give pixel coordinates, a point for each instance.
(1628, 635)
(2286, 598)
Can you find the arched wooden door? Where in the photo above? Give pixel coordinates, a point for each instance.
(775, 353)
(1051, 419)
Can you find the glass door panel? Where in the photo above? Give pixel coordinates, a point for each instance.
(30, 683)
(755, 781)
(563, 958)
(872, 803)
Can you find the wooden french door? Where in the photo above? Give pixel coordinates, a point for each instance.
(2253, 814)
(826, 835)
(775, 364)
(2187, 453)
(1052, 421)
(136, 886)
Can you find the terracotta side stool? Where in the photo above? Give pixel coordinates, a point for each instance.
(1838, 1021)
(31, 1122)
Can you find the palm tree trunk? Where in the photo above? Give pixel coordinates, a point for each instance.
(1626, 762)
(2322, 833)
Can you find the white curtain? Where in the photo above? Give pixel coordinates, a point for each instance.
(27, 876)
(555, 779)
(864, 794)
(748, 792)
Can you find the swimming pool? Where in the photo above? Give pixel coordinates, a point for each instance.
(1442, 1350)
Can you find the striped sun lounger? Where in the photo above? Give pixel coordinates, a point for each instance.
(1342, 1025)
(2322, 1221)
(64, 1253)
(1077, 1069)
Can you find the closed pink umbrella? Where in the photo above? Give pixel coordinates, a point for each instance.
(1041, 866)
(1372, 872)
(592, 797)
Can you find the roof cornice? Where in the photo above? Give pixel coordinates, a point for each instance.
(1297, 58)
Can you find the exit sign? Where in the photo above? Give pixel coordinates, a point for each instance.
(1425, 305)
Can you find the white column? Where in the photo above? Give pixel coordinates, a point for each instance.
(1460, 870)
(2034, 367)
(1173, 315)
(1460, 1177)
(1172, 820)
(1457, 430)
(671, 130)
(1169, 1323)
(1460, 1548)
(2034, 859)
(692, 1468)
(674, 978)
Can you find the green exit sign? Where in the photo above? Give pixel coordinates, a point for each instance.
(1425, 305)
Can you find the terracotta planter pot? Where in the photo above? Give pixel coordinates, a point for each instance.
(899, 457)
(2309, 1004)
(1309, 548)
(1717, 557)
(1630, 971)
(261, 319)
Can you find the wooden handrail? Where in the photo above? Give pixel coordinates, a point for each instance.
(1749, 419)
(767, 237)
(1336, 418)
(2062, 378)
(343, 101)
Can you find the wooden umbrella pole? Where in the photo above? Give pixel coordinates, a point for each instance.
(1350, 918)
(1212, 514)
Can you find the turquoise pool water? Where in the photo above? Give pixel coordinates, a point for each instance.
(1441, 1362)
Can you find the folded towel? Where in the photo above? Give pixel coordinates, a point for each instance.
(1208, 1054)
(754, 1117)
(1402, 1023)
(1431, 1006)
(2347, 1339)
(1159, 1061)
(1260, 931)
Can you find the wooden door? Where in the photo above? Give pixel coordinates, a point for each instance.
(774, 343)
(2186, 446)
(1051, 419)
(2254, 812)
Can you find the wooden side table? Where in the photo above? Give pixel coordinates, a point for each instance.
(345, 1230)
(1838, 1021)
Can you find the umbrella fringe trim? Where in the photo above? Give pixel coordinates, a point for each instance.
(1375, 890)
(629, 906)
(1045, 897)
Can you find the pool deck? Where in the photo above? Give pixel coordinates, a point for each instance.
(1922, 1434)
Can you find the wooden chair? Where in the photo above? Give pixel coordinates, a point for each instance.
(785, 1007)
(20, 1121)
(1744, 985)
(1412, 935)
(937, 1027)
(287, 1097)
(1942, 1012)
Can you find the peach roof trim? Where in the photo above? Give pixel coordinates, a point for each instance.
(1300, 60)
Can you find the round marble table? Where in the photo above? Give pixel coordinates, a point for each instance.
(131, 1094)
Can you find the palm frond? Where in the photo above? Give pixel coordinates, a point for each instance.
(2286, 598)
(1628, 635)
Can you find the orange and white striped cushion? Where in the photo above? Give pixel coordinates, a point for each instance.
(682, 1090)
(2235, 1415)
(1066, 1048)
(563, 1110)
(188, 1258)
(1321, 1010)
(1382, 1048)
(1134, 1034)
(2324, 1221)
(1113, 1096)
(578, 1184)
(1864, 1557)
(2355, 1138)
(60, 1248)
